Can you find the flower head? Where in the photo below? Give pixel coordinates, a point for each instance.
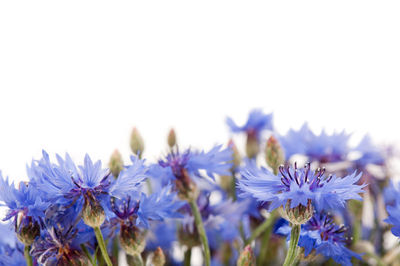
(11, 251)
(140, 209)
(370, 154)
(184, 169)
(325, 237)
(221, 219)
(293, 187)
(393, 209)
(60, 243)
(24, 201)
(322, 148)
(64, 182)
(256, 123)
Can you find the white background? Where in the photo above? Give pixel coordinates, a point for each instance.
(77, 76)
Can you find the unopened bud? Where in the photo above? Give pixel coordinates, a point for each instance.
(132, 239)
(171, 138)
(236, 155)
(298, 215)
(93, 213)
(247, 257)
(137, 143)
(252, 146)
(274, 154)
(158, 258)
(27, 229)
(116, 163)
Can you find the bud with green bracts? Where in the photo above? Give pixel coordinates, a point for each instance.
(27, 229)
(93, 213)
(158, 257)
(247, 257)
(132, 239)
(297, 215)
(137, 143)
(274, 154)
(116, 163)
(171, 138)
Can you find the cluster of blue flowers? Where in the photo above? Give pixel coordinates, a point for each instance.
(310, 196)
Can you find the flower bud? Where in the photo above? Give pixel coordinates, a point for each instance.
(236, 155)
(158, 258)
(252, 146)
(93, 213)
(137, 143)
(171, 138)
(132, 239)
(274, 154)
(298, 215)
(247, 257)
(27, 230)
(116, 164)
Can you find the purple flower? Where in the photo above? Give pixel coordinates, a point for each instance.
(323, 236)
(322, 148)
(25, 204)
(256, 123)
(66, 183)
(139, 209)
(296, 187)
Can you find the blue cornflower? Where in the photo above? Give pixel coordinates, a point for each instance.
(293, 187)
(221, 219)
(323, 236)
(11, 251)
(25, 201)
(393, 211)
(256, 123)
(136, 211)
(59, 243)
(370, 154)
(184, 168)
(323, 148)
(139, 209)
(25, 208)
(66, 183)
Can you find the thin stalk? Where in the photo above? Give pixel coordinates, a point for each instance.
(261, 228)
(115, 251)
(134, 260)
(187, 257)
(264, 243)
(201, 231)
(292, 251)
(28, 257)
(102, 245)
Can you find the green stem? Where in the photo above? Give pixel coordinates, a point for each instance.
(28, 257)
(264, 244)
(261, 228)
(187, 257)
(115, 251)
(294, 239)
(102, 245)
(134, 260)
(201, 231)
